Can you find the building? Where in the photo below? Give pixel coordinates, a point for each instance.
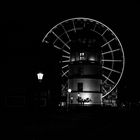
(84, 82)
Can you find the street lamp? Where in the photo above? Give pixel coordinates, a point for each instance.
(78, 95)
(42, 94)
(69, 90)
(40, 76)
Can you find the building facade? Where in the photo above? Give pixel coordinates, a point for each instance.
(85, 81)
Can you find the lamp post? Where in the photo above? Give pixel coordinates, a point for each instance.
(40, 96)
(69, 91)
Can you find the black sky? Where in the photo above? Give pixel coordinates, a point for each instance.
(26, 26)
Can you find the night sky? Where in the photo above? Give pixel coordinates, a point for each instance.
(25, 27)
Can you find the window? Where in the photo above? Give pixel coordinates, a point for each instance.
(80, 86)
(80, 71)
(82, 56)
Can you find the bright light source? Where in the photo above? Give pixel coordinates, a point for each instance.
(86, 95)
(71, 98)
(92, 58)
(72, 59)
(69, 90)
(82, 56)
(40, 76)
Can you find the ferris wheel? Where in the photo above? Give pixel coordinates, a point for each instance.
(62, 35)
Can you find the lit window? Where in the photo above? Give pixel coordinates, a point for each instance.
(80, 87)
(82, 56)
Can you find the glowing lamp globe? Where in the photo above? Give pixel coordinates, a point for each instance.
(69, 90)
(40, 76)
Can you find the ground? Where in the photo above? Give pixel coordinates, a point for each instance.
(89, 123)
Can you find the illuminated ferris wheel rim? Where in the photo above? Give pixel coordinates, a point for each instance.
(107, 29)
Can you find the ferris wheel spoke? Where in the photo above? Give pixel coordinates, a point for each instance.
(73, 25)
(61, 40)
(63, 51)
(65, 73)
(94, 27)
(66, 32)
(104, 32)
(57, 47)
(110, 69)
(107, 42)
(66, 61)
(107, 78)
(64, 56)
(104, 89)
(64, 86)
(65, 66)
(110, 51)
(66, 51)
(111, 60)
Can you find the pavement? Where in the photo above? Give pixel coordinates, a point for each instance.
(107, 123)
